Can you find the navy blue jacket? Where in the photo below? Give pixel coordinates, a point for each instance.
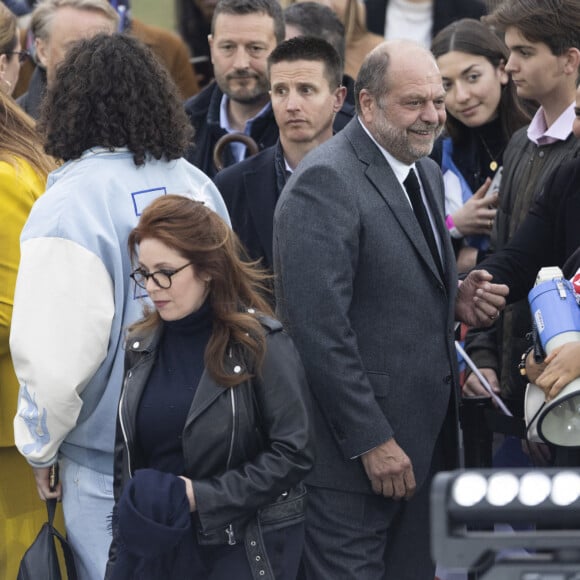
(250, 190)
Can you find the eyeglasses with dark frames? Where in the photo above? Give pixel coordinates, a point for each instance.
(162, 278)
(22, 54)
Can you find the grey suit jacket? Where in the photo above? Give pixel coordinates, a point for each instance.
(363, 300)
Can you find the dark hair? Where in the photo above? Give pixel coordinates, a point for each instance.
(242, 7)
(314, 19)
(556, 23)
(472, 37)
(204, 239)
(111, 91)
(311, 49)
(353, 20)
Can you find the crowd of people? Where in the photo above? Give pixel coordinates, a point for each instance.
(234, 261)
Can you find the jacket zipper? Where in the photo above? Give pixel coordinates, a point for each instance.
(230, 533)
(123, 430)
(231, 452)
(230, 529)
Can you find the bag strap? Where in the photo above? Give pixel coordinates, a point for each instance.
(69, 560)
(51, 509)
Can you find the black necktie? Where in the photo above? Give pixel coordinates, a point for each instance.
(414, 192)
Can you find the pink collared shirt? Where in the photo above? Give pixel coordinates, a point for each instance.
(540, 134)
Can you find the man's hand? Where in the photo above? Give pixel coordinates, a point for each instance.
(474, 388)
(390, 471)
(42, 477)
(479, 302)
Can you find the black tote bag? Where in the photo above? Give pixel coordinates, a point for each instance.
(40, 562)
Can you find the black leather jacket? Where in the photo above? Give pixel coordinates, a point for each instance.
(246, 448)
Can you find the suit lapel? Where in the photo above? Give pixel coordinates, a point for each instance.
(384, 180)
(381, 176)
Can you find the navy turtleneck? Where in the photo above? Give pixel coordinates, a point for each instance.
(168, 394)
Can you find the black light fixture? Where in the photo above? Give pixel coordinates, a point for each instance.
(540, 506)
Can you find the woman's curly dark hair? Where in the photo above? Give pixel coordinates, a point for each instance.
(111, 91)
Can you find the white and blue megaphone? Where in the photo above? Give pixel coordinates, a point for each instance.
(556, 316)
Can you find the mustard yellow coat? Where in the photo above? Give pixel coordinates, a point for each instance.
(22, 513)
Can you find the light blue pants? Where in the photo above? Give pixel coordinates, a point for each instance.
(87, 501)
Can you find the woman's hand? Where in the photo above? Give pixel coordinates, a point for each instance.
(477, 214)
(562, 367)
(189, 492)
(42, 477)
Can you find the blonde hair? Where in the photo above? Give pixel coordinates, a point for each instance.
(8, 29)
(354, 24)
(20, 140)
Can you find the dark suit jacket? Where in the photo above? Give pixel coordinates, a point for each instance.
(444, 12)
(360, 293)
(250, 190)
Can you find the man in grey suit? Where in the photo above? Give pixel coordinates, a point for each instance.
(370, 297)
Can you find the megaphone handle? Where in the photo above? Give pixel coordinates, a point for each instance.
(535, 417)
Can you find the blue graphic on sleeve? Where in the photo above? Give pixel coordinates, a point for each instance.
(34, 421)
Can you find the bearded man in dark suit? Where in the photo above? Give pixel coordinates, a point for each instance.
(367, 287)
